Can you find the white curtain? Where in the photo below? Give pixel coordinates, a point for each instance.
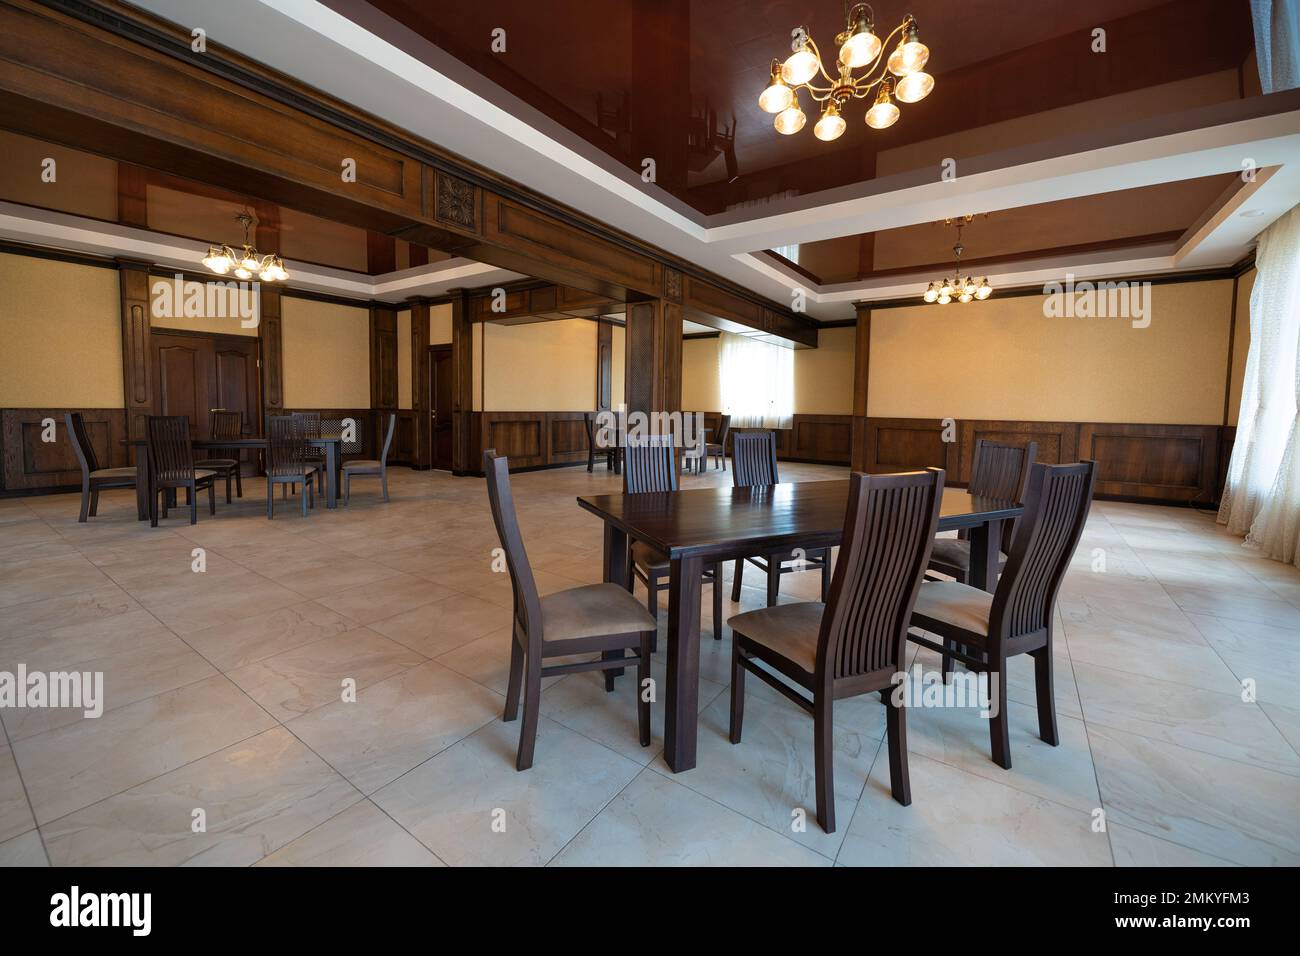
(757, 382)
(1277, 43)
(1261, 498)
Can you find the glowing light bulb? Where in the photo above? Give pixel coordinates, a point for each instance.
(914, 87)
(800, 67)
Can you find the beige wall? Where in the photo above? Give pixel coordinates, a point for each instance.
(404, 358)
(1002, 359)
(440, 324)
(700, 389)
(543, 366)
(823, 377)
(165, 312)
(61, 328)
(326, 354)
(1240, 344)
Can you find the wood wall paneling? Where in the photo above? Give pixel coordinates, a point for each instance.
(419, 451)
(652, 379)
(605, 366)
(861, 381)
(136, 350)
(1157, 462)
(383, 358)
(466, 456)
(30, 464)
(271, 361)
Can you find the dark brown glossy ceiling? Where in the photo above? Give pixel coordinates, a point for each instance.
(678, 80)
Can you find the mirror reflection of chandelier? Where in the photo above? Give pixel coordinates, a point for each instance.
(247, 262)
(901, 75)
(959, 287)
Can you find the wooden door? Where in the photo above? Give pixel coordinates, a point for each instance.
(185, 368)
(236, 381)
(440, 385)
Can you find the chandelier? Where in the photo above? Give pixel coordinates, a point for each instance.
(248, 261)
(900, 78)
(963, 289)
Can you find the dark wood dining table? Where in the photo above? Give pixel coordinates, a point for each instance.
(703, 525)
(331, 444)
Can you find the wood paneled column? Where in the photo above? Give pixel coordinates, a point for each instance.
(272, 357)
(861, 369)
(464, 457)
(421, 426)
(653, 369)
(604, 366)
(137, 380)
(383, 372)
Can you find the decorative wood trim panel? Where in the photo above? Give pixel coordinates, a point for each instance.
(466, 449)
(1161, 462)
(137, 378)
(821, 438)
(901, 444)
(383, 358)
(272, 357)
(1058, 442)
(30, 464)
(420, 447)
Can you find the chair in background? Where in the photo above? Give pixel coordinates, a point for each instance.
(225, 425)
(1017, 618)
(361, 467)
(313, 455)
(93, 478)
(286, 460)
(171, 466)
(649, 466)
(753, 461)
(591, 619)
(718, 450)
(856, 642)
(611, 454)
(998, 471)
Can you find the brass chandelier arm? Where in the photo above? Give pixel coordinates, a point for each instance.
(859, 88)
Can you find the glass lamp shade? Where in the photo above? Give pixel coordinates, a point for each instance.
(914, 87)
(931, 293)
(831, 124)
(790, 120)
(964, 297)
(944, 298)
(800, 67)
(267, 274)
(776, 97)
(969, 286)
(860, 49)
(915, 55)
(883, 115)
(218, 261)
(946, 288)
(242, 273)
(895, 62)
(984, 291)
(248, 263)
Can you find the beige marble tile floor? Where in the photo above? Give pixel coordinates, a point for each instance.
(329, 692)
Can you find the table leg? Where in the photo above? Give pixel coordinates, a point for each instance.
(141, 485)
(681, 701)
(615, 573)
(331, 479)
(985, 543)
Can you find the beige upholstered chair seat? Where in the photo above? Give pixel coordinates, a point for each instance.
(956, 553)
(788, 629)
(647, 557)
(955, 604)
(361, 464)
(217, 463)
(202, 473)
(113, 473)
(593, 610)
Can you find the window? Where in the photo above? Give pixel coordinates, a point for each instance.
(756, 381)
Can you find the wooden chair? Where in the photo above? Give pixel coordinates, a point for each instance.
(171, 466)
(311, 454)
(998, 471)
(753, 460)
(650, 467)
(286, 460)
(360, 467)
(93, 478)
(718, 450)
(225, 425)
(591, 619)
(856, 642)
(611, 455)
(1017, 618)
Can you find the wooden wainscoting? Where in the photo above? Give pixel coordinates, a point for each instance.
(529, 439)
(30, 464)
(1141, 462)
(821, 439)
(403, 450)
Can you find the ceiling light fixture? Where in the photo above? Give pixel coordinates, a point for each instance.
(900, 76)
(956, 286)
(248, 261)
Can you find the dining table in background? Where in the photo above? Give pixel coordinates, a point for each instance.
(703, 525)
(331, 444)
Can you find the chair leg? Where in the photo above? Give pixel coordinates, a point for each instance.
(270, 498)
(532, 703)
(212, 497)
(945, 669)
(826, 576)
(591, 460)
(516, 678)
(306, 493)
(900, 785)
(652, 594)
(347, 486)
(192, 499)
(824, 761)
(228, 479)
(737, 693)
(85, 501)
(717, 601)
(735, 580)
(999, 726)
(642, 701)
(239, 484)
(383, 480)
(773, 580)
(94, 503)
(1045, 696)
(320, 479)
(153, 508)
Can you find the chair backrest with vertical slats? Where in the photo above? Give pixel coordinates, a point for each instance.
(753, 458)
(226, 424)
(286, 447)
(81, 445)
(589, 421)
(528, 607)
(649, 464)
(888, 533)
(724, 429)
(1057, 500)
(1000, 471)
(388, 437)
(170, 456)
